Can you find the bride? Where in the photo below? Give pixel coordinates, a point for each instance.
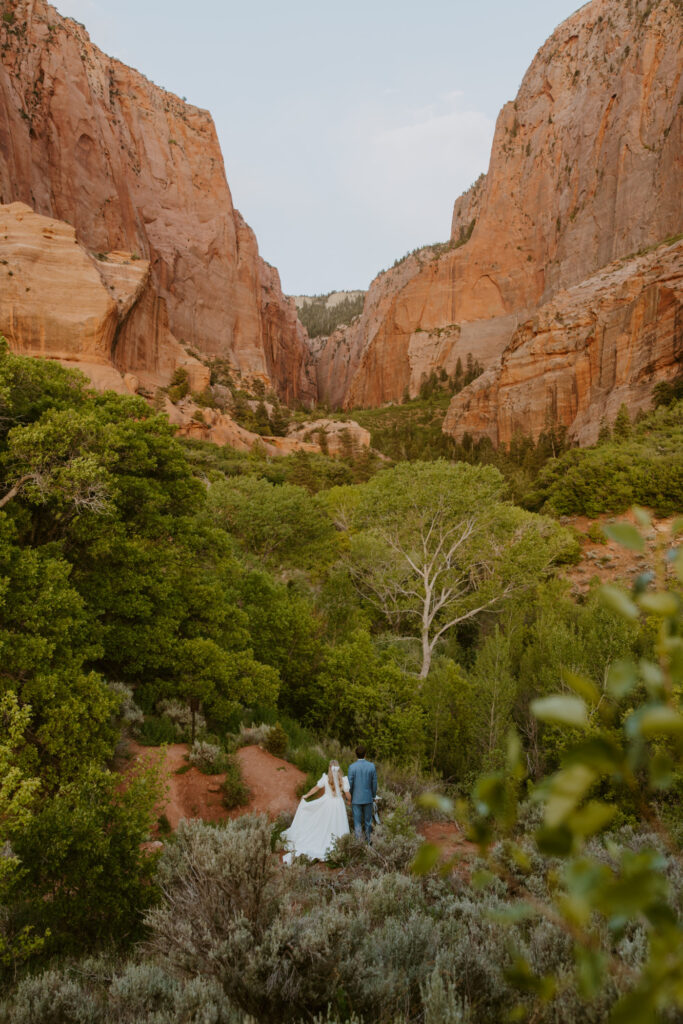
(318, 824)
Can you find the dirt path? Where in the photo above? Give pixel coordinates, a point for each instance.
(272, 782)
(451, 841)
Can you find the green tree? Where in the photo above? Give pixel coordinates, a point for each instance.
(279, 523)
(622, 424)
(219, 680)
(18, 793)
(364, 696)
(434, 544)
(47, 637)
(84, 874)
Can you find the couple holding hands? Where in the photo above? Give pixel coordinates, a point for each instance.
(317, 824)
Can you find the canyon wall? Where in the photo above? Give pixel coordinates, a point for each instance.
(87, 141)
(604, 342)
(586, 167)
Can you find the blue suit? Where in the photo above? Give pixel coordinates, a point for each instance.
(363, 788)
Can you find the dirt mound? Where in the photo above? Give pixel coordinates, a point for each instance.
(272, 782)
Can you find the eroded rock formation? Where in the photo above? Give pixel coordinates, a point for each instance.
(88, 141)
(586, 167)
(604, 342)
(59, 302)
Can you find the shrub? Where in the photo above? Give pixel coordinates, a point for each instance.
(181, 716)
(130, 715)
(97, 991)
(153, 732)
(235, 791)
(277, 741)
(180, 384)
(208, 758)
(251, 735)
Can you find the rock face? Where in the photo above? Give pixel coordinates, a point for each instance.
(586, 167)
(603, 342)
(86, 140)
(59, 302)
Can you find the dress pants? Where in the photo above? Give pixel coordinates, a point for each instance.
(362, 816)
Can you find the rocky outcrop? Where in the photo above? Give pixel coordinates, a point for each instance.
(335, 437)
(602, 343)
(585, 168)
(86, 140)
(466, 211)
(59, 302)
(331, 437)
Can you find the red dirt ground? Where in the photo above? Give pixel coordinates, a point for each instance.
(449, 838)
(610, 562)
(272, 782)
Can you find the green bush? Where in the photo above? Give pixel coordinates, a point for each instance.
(154, 731)
(277, 741)
(235, 791)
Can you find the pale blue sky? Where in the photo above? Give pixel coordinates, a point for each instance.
(347, 129)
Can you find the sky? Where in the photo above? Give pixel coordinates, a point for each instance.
(347, 129)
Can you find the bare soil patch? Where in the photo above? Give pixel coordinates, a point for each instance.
(449, 838)
(610, 562)
(272, 782)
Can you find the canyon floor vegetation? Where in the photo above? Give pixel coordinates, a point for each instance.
(173, 590)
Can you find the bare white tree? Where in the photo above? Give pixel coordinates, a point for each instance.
(435, 545)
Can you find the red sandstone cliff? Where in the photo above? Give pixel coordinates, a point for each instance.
(586, 167)
(86, 140)
(604, 342)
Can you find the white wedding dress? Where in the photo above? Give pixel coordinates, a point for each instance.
(317, 824)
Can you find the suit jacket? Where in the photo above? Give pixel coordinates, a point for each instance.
(362, 782)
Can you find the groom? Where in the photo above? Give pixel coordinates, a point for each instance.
(362, 791)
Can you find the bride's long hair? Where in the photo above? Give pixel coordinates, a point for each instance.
(334, 776)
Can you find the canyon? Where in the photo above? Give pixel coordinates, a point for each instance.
(133, 170)
(121, 251)
(586, 167)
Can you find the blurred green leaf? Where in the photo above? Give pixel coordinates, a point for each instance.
(515, 756)
(661, 721)
(435, 802)
(481, 878)
(554, 842)
(585, 688)
(659, 604)
(590, 970)
(625, 534)
(642, 582)
(599, 753)
(521, 976)
(661, 769)
(635, 1008)
(490, 794)
(621, 678)
(592, 818)
(618, 601)
(561, 710)
(642, 517)
(677, 526)
(567, 789)
(653, 677)
(425, 858)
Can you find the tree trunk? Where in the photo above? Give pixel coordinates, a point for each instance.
(193, 709)
(426, 655)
